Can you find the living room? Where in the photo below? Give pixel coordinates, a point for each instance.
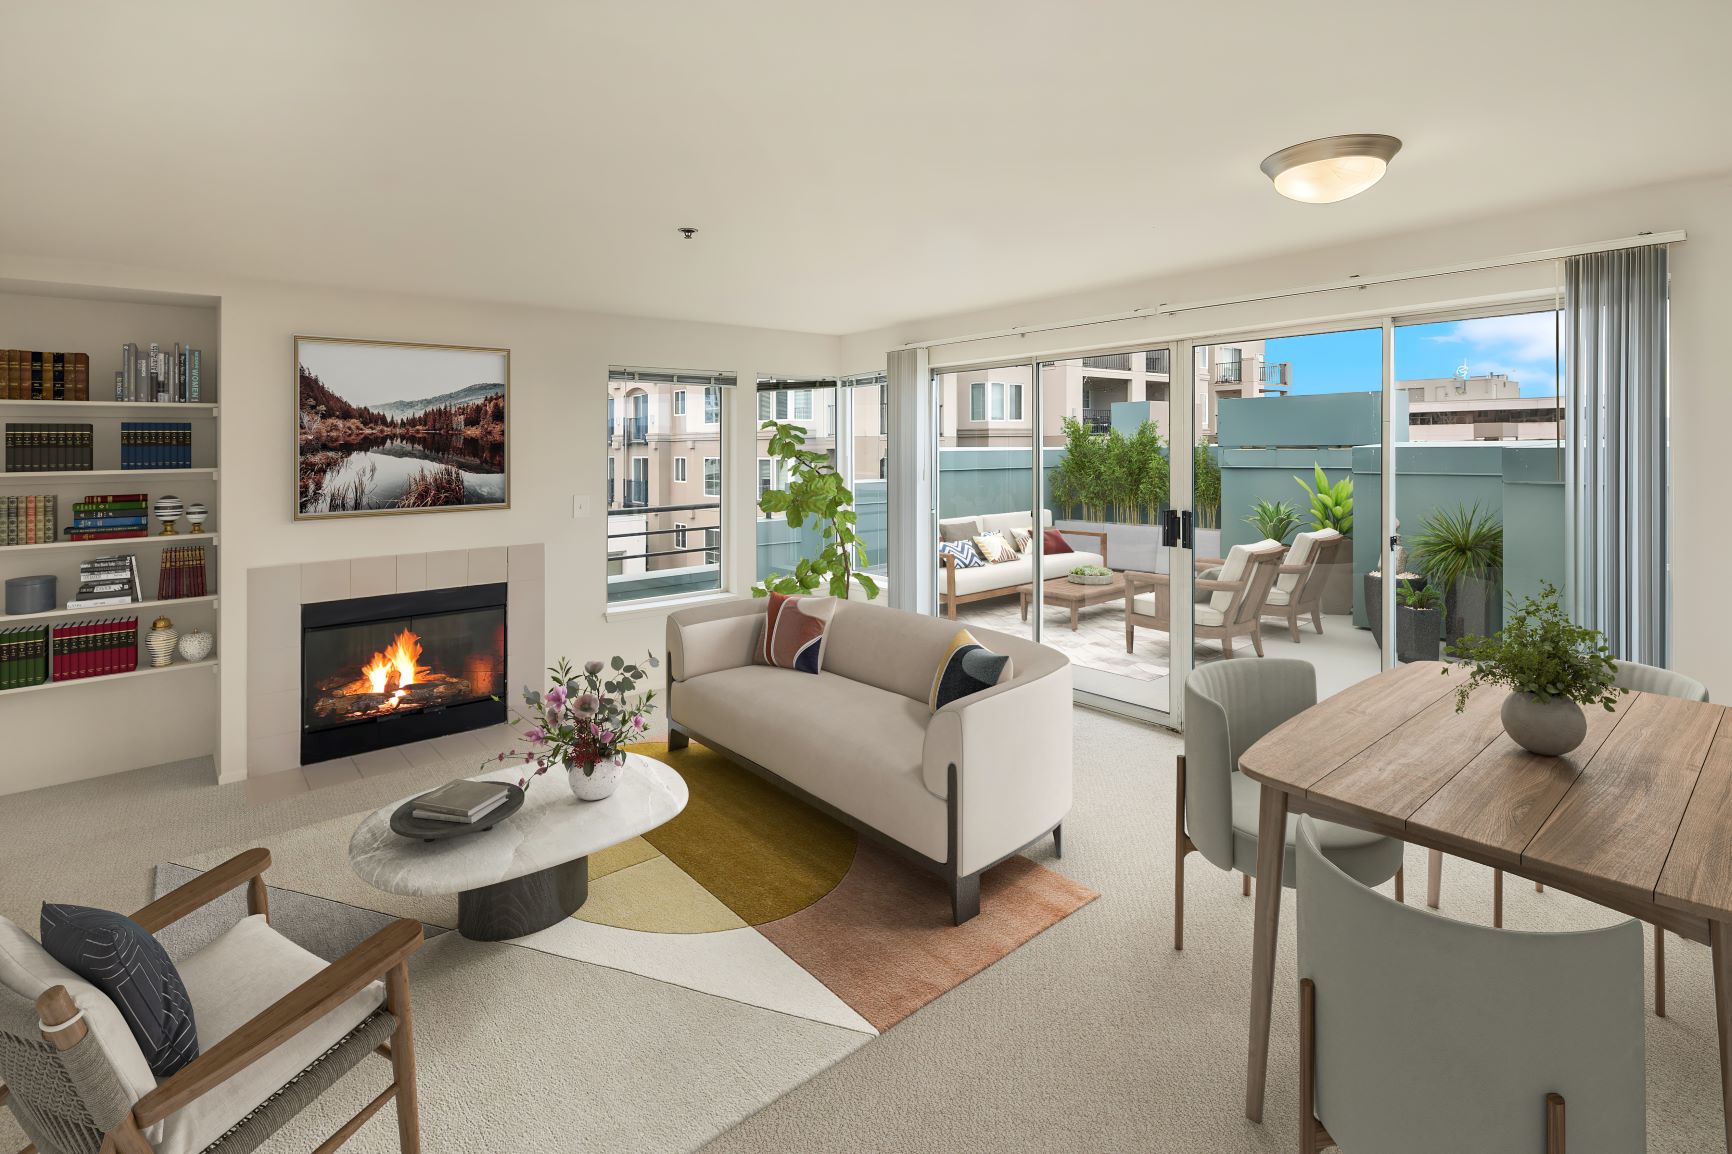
(980, 552)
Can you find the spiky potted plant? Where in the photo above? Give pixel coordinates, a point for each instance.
(1275, 520)
(1552, 666)
(1331, 507)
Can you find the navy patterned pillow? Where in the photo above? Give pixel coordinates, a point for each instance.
(967, 557)
(121, 958)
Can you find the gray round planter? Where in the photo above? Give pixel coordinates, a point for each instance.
(1089, 578)
(1550, 730)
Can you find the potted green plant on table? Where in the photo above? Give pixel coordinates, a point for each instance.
(1460, 551)
(815, 497)
(1331, 507)
(1418, 622)
(1552, 667)
(1275, 520)
(1090, 575)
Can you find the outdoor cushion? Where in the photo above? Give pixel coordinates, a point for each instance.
(1021, 539)
(1234, 569)
(996, 548)
(123, 960)
(1144, 603)
(1303, 546)
(232, 981)
(958, 528)
(1279, 596)
(963, 552)
(999, 522)
(1008, 575)
(1053, 541)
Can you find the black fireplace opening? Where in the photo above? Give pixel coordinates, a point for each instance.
(403, 667)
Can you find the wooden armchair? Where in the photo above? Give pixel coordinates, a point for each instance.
(1299, 583)
(71, 1098)
(1235, 606)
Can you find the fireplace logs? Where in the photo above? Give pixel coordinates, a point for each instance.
(335, 703)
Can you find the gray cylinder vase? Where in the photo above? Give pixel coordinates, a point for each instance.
(1550, 729)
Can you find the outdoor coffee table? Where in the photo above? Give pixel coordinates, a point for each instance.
(529, 871)
(1067, 594)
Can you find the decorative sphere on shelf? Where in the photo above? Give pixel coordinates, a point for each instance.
(168, 510)
(197, 514)
(160, 642)
(195, 646)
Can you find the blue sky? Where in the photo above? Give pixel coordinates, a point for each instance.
(1520, 345)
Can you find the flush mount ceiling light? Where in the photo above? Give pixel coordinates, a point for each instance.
(1331, 169)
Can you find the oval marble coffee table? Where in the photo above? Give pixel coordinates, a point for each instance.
(532, 869)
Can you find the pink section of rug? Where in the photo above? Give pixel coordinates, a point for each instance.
(883, 941)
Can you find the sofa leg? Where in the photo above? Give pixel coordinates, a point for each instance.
(677, 739)
(964, 897)
(1058, 840)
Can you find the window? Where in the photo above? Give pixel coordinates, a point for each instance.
(1015, 402)
(977, 401)
(803, 405)
(1088, 398)
(883, 468)
(766, 476)
(998, 400)
(654, 510)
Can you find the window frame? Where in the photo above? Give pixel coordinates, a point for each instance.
(680, 468)
(679, 402)
(717, 491)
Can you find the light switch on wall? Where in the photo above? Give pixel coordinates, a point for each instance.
(579, 505)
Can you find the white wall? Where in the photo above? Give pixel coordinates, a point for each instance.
(1701, 309)
(559, 362)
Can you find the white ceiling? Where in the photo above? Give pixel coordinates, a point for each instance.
(848, 165)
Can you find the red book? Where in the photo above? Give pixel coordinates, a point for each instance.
(102, 534)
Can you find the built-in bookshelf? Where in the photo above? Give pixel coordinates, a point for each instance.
(157, 717)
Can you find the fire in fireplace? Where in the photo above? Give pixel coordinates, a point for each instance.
(380, 671)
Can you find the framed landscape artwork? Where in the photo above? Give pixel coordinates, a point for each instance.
(392, 427)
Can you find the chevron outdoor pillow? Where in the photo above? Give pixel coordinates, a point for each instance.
(121, 958)
(963, 551)
(793, 635)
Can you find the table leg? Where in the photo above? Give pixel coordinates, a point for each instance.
(1720, 943)
(512, 909)
(1073, 613)
(1433, 877)
(1271, 848)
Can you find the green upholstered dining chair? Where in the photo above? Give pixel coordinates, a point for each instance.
(278, 1026)
(1418, 1033)
(1229, 705)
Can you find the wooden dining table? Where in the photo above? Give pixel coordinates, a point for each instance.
(1638, 818)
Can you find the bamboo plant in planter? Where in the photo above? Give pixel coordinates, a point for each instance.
(1331, 507)
(1552, 666)
(1460, 551)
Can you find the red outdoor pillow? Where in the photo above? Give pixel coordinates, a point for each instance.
(1054, 542)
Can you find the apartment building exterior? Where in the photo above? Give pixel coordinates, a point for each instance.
(1488, 407)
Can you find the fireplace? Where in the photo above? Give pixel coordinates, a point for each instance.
(403, 667)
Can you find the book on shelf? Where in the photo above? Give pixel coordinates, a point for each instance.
(183, 573)
(29, 519)
(461, 800)
(156, 445)
(153, 373)
(93, 648)
(23, 656)
(48, 448)
(33, 375)
(107, 580)
(107, 517)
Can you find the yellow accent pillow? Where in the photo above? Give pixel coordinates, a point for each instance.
(994, 549)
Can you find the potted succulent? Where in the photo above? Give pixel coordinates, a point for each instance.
(1091, 575)
(1275, 520)
(1418, 622)
(1460, 551)
(583, 723)
(1331, 507)
(1552, 666)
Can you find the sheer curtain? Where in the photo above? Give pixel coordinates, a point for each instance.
(1615, 350)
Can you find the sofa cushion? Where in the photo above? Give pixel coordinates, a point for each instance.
(794, 628)
(1207, 615)
(232, 981)
(958, 528)
(995, 548)
(890, 649)
(853, 745)
(1052, 541)
(1007, 576)
(1021, 539)
(990, 522)
(121, 958)
(966, 668)
(963, 552)
(28, 970)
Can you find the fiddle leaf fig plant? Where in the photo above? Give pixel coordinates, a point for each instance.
(1331, 505)
(815, 495)
(1540, 651)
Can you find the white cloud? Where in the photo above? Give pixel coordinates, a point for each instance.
(1522, 346)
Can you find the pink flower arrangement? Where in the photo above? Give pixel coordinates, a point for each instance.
(584, 718)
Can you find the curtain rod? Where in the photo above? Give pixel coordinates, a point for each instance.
(1537, 256)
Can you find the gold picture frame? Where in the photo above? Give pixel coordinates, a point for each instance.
(391, 427)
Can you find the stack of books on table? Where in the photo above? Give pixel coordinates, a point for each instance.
(103, 517)
(111, 580)
(463, 802)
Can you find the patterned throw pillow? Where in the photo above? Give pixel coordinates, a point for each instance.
(121, 958)
(966, 668)
(963, 551)
(793, 634)
(1021, 540)
(994, 548)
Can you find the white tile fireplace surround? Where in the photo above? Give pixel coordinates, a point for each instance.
(275, 595)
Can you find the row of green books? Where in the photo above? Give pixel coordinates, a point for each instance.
(23, 656)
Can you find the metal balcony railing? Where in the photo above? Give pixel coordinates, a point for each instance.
(635, 495)
(1230, 373)
(1156, 361)
(1275, 373)
(1117, 361)
(694, 533)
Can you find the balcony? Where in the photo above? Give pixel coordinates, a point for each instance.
(635, 495)
(1116, 362)
(1230, 373)
(663, 562)
(637, 430)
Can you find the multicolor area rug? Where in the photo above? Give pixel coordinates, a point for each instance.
(749, 895)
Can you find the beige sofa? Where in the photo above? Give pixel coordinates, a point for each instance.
(960, 586)
(956, 791)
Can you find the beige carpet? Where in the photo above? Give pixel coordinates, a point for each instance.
(1095, 1036)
